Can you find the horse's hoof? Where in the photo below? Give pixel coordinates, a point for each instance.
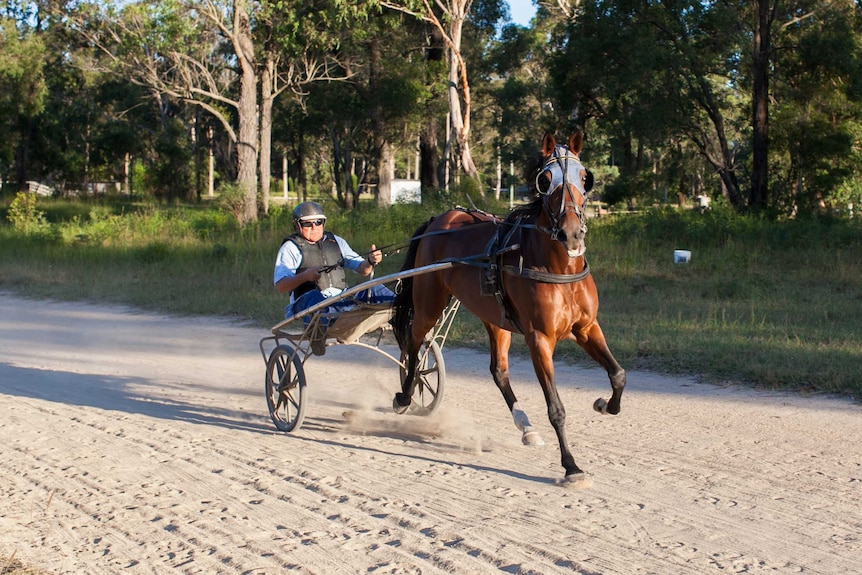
(601, 405)
(397, 407)
(577, 480)
(532, 438)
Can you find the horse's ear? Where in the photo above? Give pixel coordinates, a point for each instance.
(549, 144)
(576, 142)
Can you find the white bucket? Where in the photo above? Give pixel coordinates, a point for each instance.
(681, 256)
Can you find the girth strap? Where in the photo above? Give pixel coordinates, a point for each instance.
(547, 277)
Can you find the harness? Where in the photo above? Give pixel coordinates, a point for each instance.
(564, 168)
(509, 238)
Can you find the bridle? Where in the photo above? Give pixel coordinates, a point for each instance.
(564, 168)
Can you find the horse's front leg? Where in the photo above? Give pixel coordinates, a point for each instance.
(542, 353)
(593, 342)
(500, 340)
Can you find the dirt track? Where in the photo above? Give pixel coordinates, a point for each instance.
(135, 443)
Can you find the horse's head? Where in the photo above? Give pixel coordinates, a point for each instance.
(563, 183)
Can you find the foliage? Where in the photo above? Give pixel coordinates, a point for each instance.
(663, 90)
(25, 215)
(818, 113)
(231, 200)
(22, 97)
(21, 71)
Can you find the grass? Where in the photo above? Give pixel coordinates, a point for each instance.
(770, 304)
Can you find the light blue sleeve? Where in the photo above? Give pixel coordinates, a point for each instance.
(352, 260)
(286, 262)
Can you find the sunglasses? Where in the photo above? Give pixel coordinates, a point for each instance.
(310, 223)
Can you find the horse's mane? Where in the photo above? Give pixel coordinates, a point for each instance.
(532, 208)
(402, 307)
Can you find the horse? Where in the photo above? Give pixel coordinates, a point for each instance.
(532, 279)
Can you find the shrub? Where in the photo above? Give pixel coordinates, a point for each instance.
(25, 217)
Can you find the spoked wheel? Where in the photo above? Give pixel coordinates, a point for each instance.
(431, 378)
(285, 388)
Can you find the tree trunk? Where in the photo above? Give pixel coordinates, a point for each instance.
(429, 159)
(210, 162)
(340, 168)
(724, 162)
(460, 118)
(248, 135)
(301, 184)
(760, 139)
(384, 175)
(267, 95)
(22, 153)
(382, 148)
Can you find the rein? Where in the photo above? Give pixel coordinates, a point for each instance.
(484, 260)
(399, 246)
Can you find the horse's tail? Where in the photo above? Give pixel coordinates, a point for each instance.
(402, 316)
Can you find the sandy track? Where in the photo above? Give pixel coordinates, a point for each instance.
(135, 443)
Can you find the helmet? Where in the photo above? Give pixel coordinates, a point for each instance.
(308, 211)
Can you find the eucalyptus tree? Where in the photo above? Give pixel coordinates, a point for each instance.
(611, 74)
(71, 123)
(376, 113)
(490, 55)
(199, 53)
(518, 85)
(207, 53)
(302, 43)
(764, 16)
(448, 18)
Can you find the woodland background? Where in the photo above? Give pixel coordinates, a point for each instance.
(753, 104)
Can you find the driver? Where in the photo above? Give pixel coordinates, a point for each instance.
(310, 264)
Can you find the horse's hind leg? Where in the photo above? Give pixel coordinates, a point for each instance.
(593, 342)
(426, 311)
(500, 340)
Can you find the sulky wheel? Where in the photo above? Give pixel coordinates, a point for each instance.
(431, 378)
(285, 388)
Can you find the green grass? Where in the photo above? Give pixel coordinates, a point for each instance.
(772, 304)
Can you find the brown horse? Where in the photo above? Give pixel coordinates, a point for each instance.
(532, 278)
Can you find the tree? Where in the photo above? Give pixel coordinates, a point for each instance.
(657, 72)
(190, 51)
(376, 107)
(454, 14)
(817, 107)
(764, 16)
(297, 40)
(23, 95)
